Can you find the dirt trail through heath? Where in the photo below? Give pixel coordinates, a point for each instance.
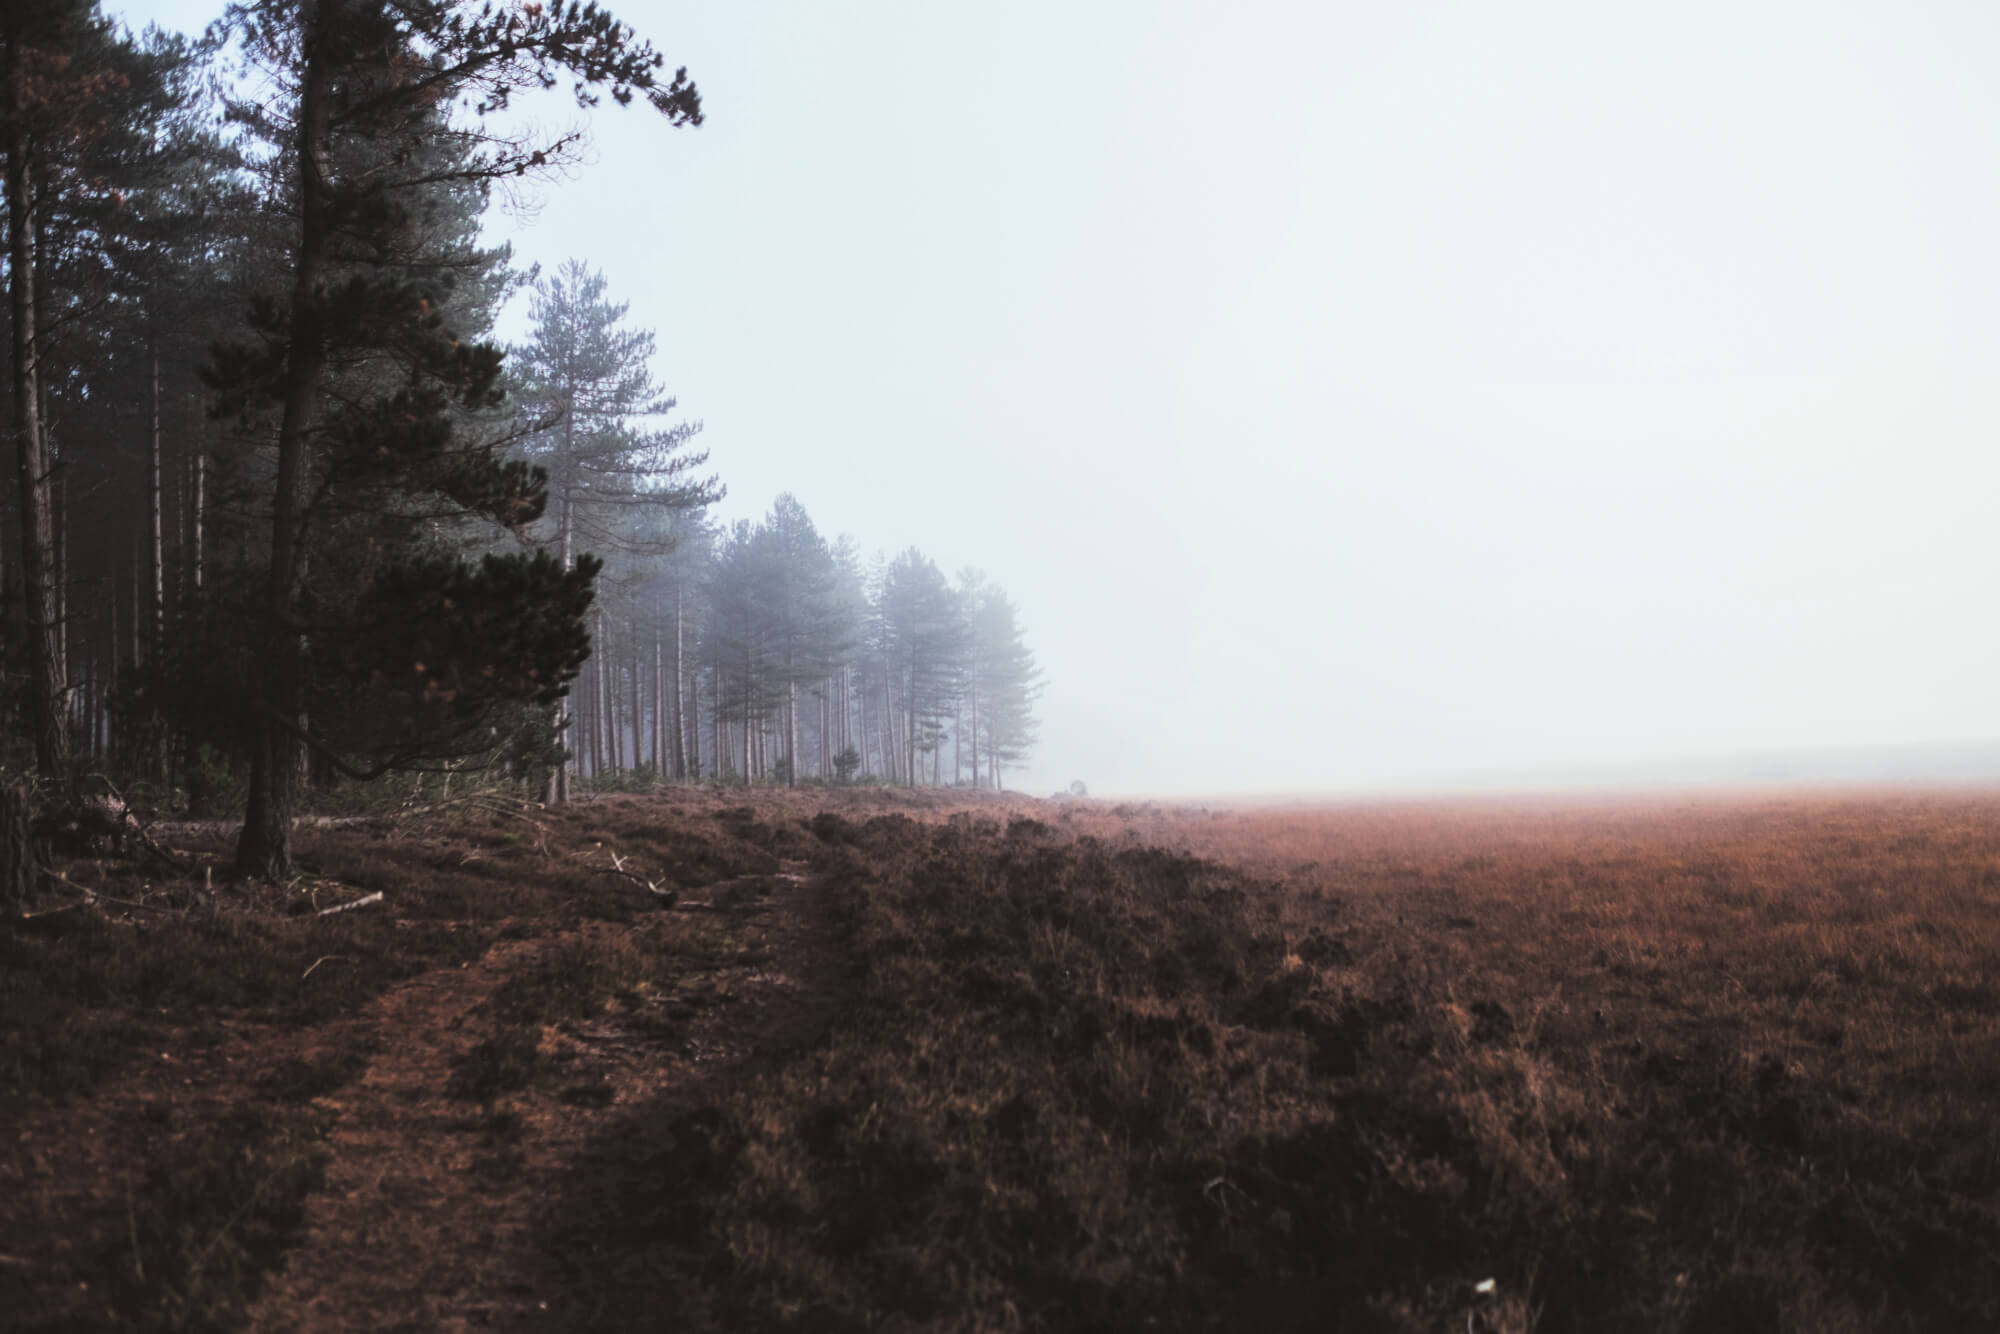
(430, 1216)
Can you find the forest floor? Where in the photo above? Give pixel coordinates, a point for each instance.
(858, 1059)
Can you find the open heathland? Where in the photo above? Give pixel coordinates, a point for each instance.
(860, 1059)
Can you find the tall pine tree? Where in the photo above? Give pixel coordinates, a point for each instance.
(367, 389)
(74, 98)
(585, 382)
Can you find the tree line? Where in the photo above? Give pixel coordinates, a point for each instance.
(285, 514)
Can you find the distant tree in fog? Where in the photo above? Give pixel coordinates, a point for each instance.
(1001, 681)
(922, 636)
(586, 385)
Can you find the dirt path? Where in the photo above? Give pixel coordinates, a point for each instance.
(434, 1212)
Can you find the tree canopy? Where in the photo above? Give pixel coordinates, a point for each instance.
(286, 517)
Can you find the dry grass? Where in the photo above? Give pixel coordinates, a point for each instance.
(1679, 1065)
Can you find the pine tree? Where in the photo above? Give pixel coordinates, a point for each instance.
(1003, 679)
(68, 84)
(846, 714)
(668, 608)
(798, 598)
(586, 386)
(366, 479)
(132, 302)
(736, 648)
(922, 642)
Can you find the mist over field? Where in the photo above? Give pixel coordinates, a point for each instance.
(1355, 397)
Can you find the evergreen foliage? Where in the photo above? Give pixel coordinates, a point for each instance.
(374, 400)
(285, 516)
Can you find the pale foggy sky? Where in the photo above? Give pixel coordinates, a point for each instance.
(1356, 394)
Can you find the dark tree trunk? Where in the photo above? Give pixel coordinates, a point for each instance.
(17, 852)
(47, 671)
(197, 521)
(681, 732)
(264, 850)
(156, 592)
(557, 791)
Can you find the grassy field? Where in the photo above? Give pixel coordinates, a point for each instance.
(1677, 1064)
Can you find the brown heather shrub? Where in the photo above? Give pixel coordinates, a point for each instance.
(1087, 1086)
(1703, 1066)
(1686, 1065)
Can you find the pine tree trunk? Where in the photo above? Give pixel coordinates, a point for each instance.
(156, 622)
(878, 733)
(633, 679)
(148, 752)
(692, 722)
(264, 849)
(871, 734)
(556, 792)
(579, 734)
(588, 708)
(586, 716)
(607, 708)
(198, 505)
(607, 712)
(17, 850)
(47, 673)
(622, 696)
(975, 733)
(892, 721)
(140, 611)
(681, 732)
(60, 495)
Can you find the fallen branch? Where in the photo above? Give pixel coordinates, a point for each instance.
(361, 902)
(96, 897)
(666, 896)
(92, 896)
(324, 958)
(490, 803)
(60, 907)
